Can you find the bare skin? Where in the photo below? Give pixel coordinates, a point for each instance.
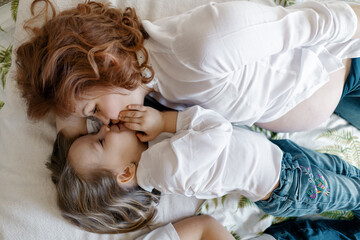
(317, 108)
(201, 227)
(314, 110)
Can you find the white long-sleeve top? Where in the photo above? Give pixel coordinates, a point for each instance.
(208, 158)
(248, 61)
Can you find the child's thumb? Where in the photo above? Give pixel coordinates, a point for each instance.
(143, 137)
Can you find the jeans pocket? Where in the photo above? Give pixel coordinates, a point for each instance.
(298, 192)
(297, 179)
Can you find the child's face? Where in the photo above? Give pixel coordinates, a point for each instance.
(114, 149)
(106, 104)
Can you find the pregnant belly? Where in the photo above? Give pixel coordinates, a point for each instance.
(314, 110)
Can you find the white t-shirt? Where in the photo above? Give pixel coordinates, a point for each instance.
(248, 61)
(208, 158)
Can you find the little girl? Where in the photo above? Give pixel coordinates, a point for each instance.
(198, 153)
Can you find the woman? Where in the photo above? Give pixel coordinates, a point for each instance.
(280, 68)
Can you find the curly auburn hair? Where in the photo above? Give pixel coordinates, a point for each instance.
(98, 203)
(87, 46)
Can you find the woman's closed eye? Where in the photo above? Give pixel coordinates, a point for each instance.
(95, 110)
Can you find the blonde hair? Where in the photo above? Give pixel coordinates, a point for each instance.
(98, 203)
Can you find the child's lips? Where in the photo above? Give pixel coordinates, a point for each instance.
(115, 127)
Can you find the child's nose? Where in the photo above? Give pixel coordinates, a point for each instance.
(103, 130)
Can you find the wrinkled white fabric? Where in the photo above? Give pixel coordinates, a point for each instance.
(208, 158)
(249, 61)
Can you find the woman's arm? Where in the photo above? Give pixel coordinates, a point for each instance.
(201, 227)
(247, 31)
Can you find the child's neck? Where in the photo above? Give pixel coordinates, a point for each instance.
(145, 146)
(141, 148)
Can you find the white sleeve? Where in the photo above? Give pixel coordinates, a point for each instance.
(172, 164)
(166, 232)
(247, 31)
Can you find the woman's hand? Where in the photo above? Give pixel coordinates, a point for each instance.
(149, 121)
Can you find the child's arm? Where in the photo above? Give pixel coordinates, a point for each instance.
(201, 227)
(202, 137)
(149, 121)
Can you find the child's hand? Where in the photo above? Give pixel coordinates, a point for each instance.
(145, 119)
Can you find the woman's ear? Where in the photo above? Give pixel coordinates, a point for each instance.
(127, 175)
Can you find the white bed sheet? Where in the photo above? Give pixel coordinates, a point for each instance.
(27, 196)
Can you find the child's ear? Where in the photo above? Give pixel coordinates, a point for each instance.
(127, 175)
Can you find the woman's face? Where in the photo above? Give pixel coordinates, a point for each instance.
(107, 104)
(113, 148)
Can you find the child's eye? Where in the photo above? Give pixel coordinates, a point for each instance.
(101, 141)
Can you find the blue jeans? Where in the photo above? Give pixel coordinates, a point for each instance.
(312, 183)
(316, 230)
(349, 105)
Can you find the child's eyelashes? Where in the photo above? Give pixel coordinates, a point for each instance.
(101, 141)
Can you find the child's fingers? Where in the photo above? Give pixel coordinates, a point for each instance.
(137, 107)
(133, 126)
(130, 113)
(131, 120)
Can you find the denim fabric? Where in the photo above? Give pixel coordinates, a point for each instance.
(316, 230)
(312, 182)
(349, 109)
(352, 84)
(349, 105)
